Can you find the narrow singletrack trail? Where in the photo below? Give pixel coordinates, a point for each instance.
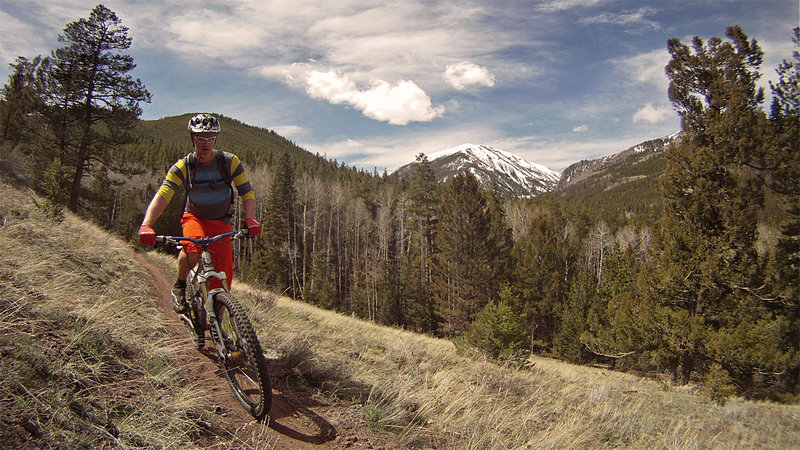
(295, 421)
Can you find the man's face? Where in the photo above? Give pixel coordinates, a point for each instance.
(204, 146)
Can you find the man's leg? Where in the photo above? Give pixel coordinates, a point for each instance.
(187, 259)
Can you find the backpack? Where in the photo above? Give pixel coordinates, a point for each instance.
(225, 174)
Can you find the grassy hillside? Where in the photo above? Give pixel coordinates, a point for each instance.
(86, 362)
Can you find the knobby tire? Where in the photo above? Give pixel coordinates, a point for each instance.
(247, 374)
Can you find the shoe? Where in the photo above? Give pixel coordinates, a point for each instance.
(179, 299)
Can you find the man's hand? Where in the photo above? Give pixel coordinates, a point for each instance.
(253, 226)
(147, 236)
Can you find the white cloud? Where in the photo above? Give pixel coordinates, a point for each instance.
(398, 103)
(464, 75)
(561, 5)
(205, 34)
(653, 114)
(637, 19)
(393, 151)
(646, 68)
(19, 39)
(289, 131)
(580, 129)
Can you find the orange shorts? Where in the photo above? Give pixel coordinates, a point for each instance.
(221, 252)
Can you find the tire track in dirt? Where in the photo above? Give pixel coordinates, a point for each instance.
(293, 422)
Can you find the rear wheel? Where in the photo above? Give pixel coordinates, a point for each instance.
(244, 365)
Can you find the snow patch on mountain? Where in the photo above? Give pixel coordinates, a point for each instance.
(494, 168)
(512, 165)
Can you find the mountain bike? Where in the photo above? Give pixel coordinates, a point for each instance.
(238, 351)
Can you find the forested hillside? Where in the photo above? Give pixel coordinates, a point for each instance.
(618, 187)
(669, 274)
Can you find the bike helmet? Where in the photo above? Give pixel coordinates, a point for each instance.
(203, 123)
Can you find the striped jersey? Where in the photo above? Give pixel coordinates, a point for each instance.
(209, 196)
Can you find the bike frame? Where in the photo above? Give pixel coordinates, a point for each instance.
(201, 279)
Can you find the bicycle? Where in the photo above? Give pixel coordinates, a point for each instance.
(238, 351)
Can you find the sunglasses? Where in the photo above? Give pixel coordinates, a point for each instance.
(205, 140)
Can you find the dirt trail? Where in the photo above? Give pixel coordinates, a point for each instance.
(295, 421)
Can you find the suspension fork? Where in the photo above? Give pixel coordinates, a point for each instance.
(208, 272)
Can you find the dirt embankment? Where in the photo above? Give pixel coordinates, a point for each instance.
(295, 421)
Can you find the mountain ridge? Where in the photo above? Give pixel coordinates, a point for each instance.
(510, 174)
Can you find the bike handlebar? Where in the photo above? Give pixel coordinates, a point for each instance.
(178, 240)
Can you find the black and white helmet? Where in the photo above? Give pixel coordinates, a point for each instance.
(204, 123)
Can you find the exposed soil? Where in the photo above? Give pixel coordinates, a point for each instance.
(295, 421)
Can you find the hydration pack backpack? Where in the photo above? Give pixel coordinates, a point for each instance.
(191, 166)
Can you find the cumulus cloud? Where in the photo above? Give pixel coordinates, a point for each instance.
(398, 103)
(580, 128)
(653, 114)
(464, 75)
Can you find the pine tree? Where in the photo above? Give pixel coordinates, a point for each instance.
(501, 242)
(272, 262)
(498, 329)
(95, 102)
(573, 316)
(542, 274)
(466, 254)
(423, 200)
(21, 97)
(708, 263)
(785, 278)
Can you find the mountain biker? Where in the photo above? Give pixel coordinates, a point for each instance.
(206, 174)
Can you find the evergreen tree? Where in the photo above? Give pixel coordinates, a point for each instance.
(497, 329)
(542, 275)
(424, 197)
(95, 102)
(465, 254)
(707, 261)
(619, 322)
(273, 266)
(20, 100)
(501, 242)
(785, 276)
(573, 317)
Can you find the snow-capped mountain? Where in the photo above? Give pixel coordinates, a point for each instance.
(512, 175)
(601, 168)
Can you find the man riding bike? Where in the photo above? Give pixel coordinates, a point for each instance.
(206, 174)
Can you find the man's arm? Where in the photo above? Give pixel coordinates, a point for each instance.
(249, 206)
(156, 207)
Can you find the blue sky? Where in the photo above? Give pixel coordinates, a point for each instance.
(373, 83)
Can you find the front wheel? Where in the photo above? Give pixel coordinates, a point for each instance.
(197, 314)
(244, 364)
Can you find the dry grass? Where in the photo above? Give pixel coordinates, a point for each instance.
(86, 359)
(422, 389)
(85, 364)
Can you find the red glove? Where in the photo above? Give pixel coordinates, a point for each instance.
(253, 226)
(147, 236)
